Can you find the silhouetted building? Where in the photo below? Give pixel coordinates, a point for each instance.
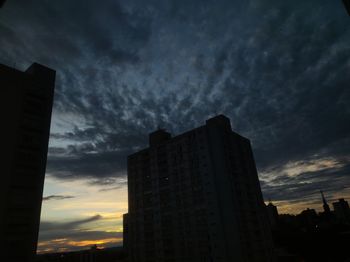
(347, 5)
(326, 208)
(311, 236)
(94, 254)
(342, 211)
(26, 105)
(308, 218)
(272, 213)
(125, 231)
(196, 197)
(2, 3)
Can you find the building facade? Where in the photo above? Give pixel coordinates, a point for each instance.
(26, 104)
(342, 211)
(272, 214)
(196, 197)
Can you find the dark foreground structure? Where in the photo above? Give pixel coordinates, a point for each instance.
(115, 254)
(2, 3)
(196, 197)
(26, 105)
(312, 236)
(347, 5)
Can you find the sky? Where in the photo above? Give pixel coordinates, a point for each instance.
(280, 70)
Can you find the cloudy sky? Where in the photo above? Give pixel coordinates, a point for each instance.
(279, 69)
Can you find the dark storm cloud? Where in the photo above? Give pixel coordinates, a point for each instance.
(278, 69)
(74, 30)
(57, 197)
(101, 166)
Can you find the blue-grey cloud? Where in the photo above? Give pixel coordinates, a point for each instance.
(71, 225)
(307, 185)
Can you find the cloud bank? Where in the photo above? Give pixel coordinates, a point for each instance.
(74, 235)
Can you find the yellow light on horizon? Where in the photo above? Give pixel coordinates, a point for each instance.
(94, 242)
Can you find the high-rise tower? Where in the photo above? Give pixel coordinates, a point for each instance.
(342, 211)
(196, 197)
(272, 214)
(25, 109)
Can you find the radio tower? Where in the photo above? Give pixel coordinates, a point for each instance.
(326, 208)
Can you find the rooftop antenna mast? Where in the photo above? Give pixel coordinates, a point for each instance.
(325, 204)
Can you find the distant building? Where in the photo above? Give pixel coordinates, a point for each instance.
(94, 254)
(26, 104)
(272, 213)
(342, 211)
(196, 197)
(308, 218)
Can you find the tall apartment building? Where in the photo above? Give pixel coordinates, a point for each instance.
(196, 197)
(26, 104)
(342, 211)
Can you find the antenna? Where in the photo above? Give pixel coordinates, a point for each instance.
(325, 205)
